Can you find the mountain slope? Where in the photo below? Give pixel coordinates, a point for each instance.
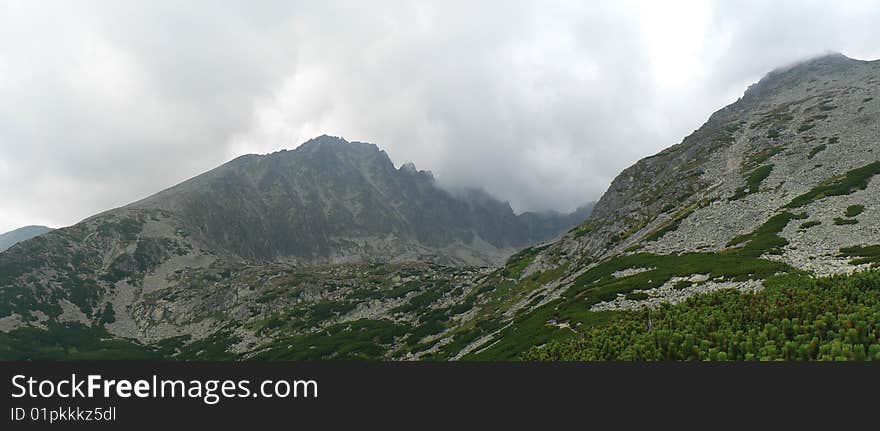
(795, 318)
(331, 201)
(777, 188)
(246, 243)
(16, 236)
(781, 181)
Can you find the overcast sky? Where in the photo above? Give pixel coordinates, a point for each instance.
(541, 103)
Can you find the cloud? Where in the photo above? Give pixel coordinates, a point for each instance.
(540, 103)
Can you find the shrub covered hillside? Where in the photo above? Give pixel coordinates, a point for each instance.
(794, 318)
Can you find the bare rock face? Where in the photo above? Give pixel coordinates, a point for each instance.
(333, 201)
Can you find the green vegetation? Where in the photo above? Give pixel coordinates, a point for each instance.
(856, 179)
(213, 348)
(127, 228)
(361, 339)
(25, 294)
(753, 182)
(23, 301)
(637, 296)
(531, 329)
(733, 127)
(683, 284)
(844, 221)
(83, 292)
(519, 261)
(794, 318)
(864, 254)
(459, 341)
(854, 210)
(108, 315)
(121, 268)
(581, 230)
(806, 126)
(816, 150)
(598, 284)
(324, 310)
(809, 224)
(494, 296)
(376, 293)
(16, 263)
(765, 238)
(671, 226)
(401, 291)
(419, 302)
(70, 341)
(775, 121)
(431, 322)
(148, 253)
(633, 248)
(760, 157)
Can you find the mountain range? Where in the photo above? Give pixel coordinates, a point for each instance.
(16, 236)
(330, 252)
(333, 201)
(328, 202)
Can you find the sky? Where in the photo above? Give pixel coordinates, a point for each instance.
(541, 103)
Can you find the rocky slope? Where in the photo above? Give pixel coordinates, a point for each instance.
(783, 180)
(225, 250)
(331, 201)
(16, 236)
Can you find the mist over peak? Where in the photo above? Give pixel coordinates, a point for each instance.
(541, 105)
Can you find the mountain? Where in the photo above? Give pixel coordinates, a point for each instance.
(16, 236)
(183, 261)
(333, 201)
(714, 248)
(783, 181)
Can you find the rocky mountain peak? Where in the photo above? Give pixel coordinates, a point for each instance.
(323, 140)
(409, 167)
(331, 200)
(816, 69)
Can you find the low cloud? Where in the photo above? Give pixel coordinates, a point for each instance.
(540, 103)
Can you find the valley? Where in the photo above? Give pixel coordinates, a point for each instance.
(329, 252)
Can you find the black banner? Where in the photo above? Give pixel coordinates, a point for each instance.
(330, 395)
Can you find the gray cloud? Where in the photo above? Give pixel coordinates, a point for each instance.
(541, 103)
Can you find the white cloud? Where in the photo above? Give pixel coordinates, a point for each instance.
(541, 103)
